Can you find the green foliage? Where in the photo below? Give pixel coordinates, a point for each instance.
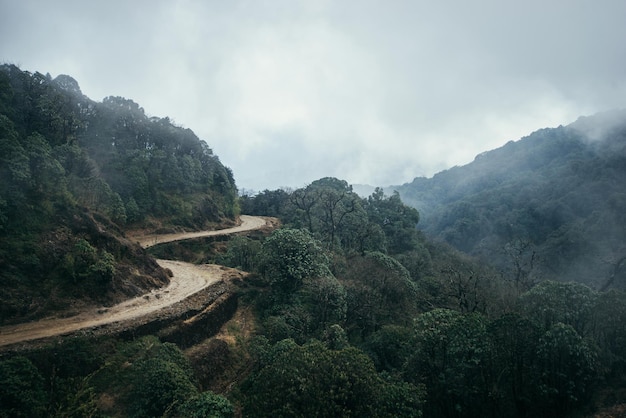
(205, 405)
(346, 270)
(76, 398)
(309, 311)
(289, 320)
(158, 384)
(106, 153)
(289, 256)
(568, 369)
(397, 220)
(418, 262)
(390, 347)
(242, 253)
(558, 190)
(514, 341)
(380, 291)
(330, 210)
(451, 360)
(312, 380)
(156, 163)
(148, 376)
(609, 330)
(550, 303)
(84, 264)
(22, 391)
(266, 203)
(335, 337)
(133, 213)
(65, 161)
(326, 297)
(400, 399)
(71, 358)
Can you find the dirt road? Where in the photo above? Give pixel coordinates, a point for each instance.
(187, 280)
(248, 223)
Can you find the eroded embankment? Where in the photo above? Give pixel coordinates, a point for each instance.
(194, 319)
(184, 323)
(198, 301)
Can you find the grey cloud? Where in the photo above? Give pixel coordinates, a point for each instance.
(373, 92)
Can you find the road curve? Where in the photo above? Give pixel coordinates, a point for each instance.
(187, 279)
(248, 223)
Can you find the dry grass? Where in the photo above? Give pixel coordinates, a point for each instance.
(223, 360)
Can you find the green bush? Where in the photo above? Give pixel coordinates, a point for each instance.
(205, 405)
(22, 391)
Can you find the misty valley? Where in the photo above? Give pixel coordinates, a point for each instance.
(493, 289)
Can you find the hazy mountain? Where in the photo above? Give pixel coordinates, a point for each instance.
(368, 315)
(551, 205)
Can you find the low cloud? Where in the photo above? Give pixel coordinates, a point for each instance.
(288, 92)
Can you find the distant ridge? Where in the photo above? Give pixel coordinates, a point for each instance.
(558, 192)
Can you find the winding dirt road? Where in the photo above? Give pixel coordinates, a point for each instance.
(187, 279)
(248, 223)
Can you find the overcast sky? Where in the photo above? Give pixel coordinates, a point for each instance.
(376, 92)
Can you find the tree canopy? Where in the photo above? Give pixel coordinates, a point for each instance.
(73, 174)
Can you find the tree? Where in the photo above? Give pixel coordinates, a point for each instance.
(326, 298)
(390, 347)
(609, 330)
(515, 375)
(568, 370)
(311, 380)
(289, 256)
(306, 298)
(552, 302)
(14, 165)
(451, 359)
(523, 257)
(304, 200)
(380, 291)
(242, 253)
(266, 203)
(47, 175)
(329, 209)
(397, 220)
(160, 380)
(336, 202)
(204, 405)
(21, 389)
(85, 265)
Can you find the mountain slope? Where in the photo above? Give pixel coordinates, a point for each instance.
(549, 206)
(74, 174)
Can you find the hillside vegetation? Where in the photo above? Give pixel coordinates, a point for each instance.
(467, 339)
(74, 174)
(349, 309)
(549, 206)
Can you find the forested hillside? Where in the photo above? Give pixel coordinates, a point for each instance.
(451, 336)
(549, 206)
(74, 173)
(347, 310)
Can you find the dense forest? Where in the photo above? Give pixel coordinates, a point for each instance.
(74, 174)
(349, 310)
(551, 206)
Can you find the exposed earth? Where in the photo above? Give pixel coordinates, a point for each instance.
(187, 280)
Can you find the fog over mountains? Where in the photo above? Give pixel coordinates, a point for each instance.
(290, 91)
(553, 200)
(373, 307)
